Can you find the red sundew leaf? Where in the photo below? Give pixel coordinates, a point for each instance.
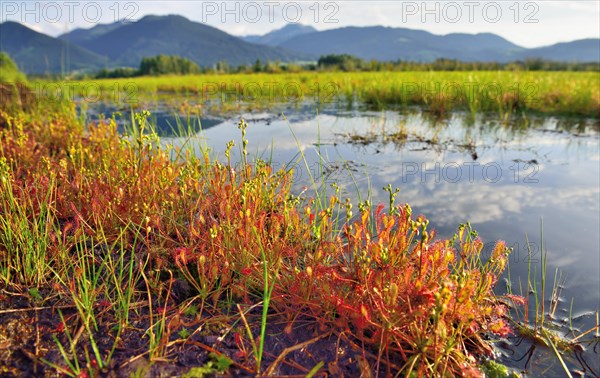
(471, 372)
(261, 221)
(499, 311)
(478, 245)
(427, 297)
(473, 327)
(60, 328)
(183, 255)
(499, 250)
(238, 339)
(246, 271)
(68, 226)
(365, 313)
(500, 328)
(361, 322)
(379, 210)
(517, 300)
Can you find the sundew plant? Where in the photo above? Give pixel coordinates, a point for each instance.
(126, 243)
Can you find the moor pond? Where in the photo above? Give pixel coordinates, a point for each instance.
(506, 177)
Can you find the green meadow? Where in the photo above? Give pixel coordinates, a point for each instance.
(504, 92)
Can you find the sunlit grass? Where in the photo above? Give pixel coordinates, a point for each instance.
(502, 92)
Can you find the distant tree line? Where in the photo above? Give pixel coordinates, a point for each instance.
(345, 62)
(154, 66)
(175, 65)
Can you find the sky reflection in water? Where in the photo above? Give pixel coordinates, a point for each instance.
(502, 178)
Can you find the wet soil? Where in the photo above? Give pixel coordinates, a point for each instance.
(206, 344)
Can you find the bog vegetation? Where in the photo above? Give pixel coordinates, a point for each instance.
(115, 234)
(120, 248)
(505, 93)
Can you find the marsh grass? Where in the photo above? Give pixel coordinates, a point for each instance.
(25, 229)
(502, 92)
(533, 314)
(122, 231)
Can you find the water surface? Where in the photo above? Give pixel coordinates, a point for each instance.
(503, 177)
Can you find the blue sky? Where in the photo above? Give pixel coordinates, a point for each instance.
(526, 23)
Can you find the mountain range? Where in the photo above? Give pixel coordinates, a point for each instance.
(384, 43)
(38, 53)
(125, 44)
(279, 36)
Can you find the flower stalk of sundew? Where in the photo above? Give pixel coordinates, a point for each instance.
(242, 125)
(228, 147)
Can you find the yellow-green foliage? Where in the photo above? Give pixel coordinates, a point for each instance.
(574, 93)
(9, 72)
